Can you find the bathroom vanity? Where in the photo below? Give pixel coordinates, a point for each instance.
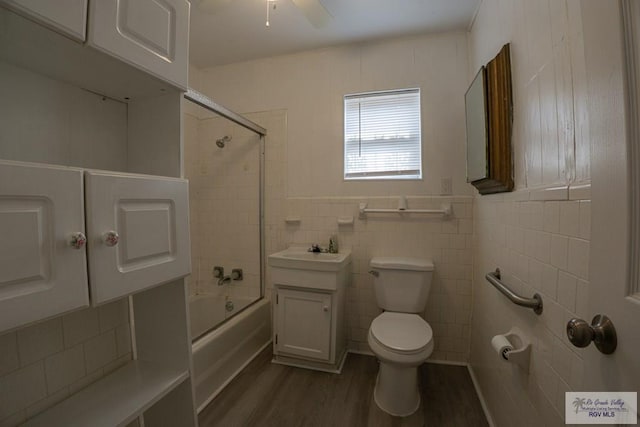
(309, 308)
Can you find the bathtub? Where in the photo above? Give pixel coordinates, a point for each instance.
(219, 355)
(208, 311)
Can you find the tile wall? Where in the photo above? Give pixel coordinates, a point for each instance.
(541, 247)
(445, 241)
(539, 236)
(44, 363)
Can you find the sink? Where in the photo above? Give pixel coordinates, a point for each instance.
(300, 259)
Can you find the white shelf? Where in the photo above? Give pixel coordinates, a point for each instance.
(116, 399)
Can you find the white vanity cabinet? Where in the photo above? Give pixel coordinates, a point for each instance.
(42, 273)
(309, 308)
(68, 17)
(152, 35)
(304, 323)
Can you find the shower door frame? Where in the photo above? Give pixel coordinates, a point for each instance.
(210, 105)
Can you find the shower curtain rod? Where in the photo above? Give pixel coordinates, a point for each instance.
(206, 102)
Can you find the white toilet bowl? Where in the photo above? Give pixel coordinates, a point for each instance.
(402, 342)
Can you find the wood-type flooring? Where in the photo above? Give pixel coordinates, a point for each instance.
(268, 394)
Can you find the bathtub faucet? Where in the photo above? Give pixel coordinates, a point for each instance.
(224, 280)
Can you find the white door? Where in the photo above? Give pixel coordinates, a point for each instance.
(41, 273)
(610, 292)
(68, 17)
(150, 34)
(138, 228)
(303, 324)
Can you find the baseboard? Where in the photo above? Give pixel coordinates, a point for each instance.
(483, 402)
(362, 352)
(446, 362)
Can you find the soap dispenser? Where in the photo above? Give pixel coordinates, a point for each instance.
(333, 244)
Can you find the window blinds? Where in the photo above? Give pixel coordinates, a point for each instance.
(382, 135)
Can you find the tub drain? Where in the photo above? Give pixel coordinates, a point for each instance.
(229, 305)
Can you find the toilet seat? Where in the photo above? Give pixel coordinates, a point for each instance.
(401, 333)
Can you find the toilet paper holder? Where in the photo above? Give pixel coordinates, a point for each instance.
(513, 347)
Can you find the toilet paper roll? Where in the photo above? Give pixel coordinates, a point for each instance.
(502, 346)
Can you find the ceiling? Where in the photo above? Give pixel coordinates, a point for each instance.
(227, 31)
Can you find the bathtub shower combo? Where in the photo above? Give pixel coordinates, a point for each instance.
(230, 319)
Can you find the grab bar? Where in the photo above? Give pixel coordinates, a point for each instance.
(534, 303)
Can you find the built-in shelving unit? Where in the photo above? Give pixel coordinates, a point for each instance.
(157, 384)
(139, 384)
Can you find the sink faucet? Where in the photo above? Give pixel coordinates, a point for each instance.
(315, 248)
(332, 249)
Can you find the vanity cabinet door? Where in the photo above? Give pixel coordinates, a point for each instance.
(150, 34)
(42, 255)
(138, 227)
(303, 324)
(68, 17)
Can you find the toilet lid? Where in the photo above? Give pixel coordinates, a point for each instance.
(401, 332)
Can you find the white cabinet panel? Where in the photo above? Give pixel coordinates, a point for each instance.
(66, 16)
(138, 232)
(150, 34)
(303, 324)
(41, 274)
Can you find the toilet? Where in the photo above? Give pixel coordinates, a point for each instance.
(399, 337)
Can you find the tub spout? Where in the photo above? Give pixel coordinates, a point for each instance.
(224, 280)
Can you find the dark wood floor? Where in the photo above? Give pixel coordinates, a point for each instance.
(267, 394)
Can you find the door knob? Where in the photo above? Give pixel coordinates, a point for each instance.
(601, 331)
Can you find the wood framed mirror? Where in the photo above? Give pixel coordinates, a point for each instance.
(489, 154)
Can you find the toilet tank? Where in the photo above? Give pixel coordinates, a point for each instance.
(401, 284)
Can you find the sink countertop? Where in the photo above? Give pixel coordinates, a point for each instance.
(297, 257)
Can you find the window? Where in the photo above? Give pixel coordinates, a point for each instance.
(382, 135)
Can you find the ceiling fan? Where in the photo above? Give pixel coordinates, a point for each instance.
(313, 10)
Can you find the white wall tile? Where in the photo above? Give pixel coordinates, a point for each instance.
(567, 290)
(64, 368)
(9, 360)
(113, 314)
(100, 351)
(14, 420)
(570, 219)
(578, 262)
(38, 341)
(585, 219)
(47, 402)
(559, 251)
(123, 339)
(21, 389)
(80, 326)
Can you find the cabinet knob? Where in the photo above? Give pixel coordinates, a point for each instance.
(110, 238)
(77, 240)
(325, 308)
